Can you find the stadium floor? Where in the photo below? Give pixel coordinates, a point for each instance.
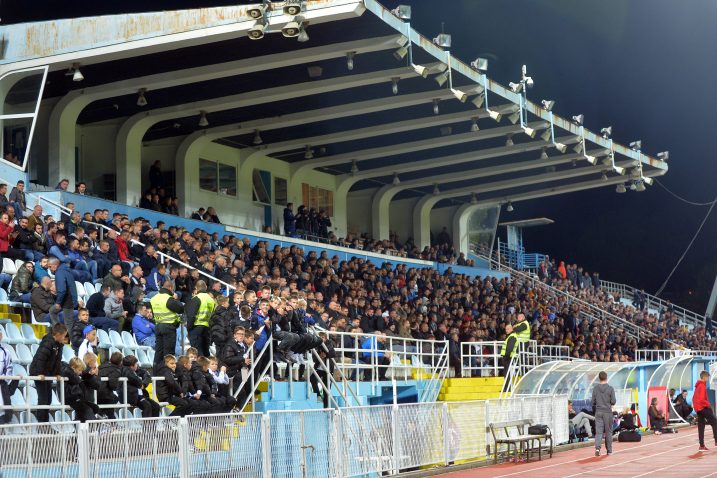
(665, 455)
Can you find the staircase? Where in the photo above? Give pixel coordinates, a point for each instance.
(477, 388)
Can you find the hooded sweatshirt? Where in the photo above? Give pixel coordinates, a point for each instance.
(603, 398)
(699, 399)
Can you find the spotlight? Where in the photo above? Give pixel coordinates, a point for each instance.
(436, 110)
(402, 11)
(546, 135)
(257, 31)
(401, 53)
(293, 28)
(141, 100)
(578, 120)
(636, 145)
(604, 176)
(639, 186)
(591, 159)
(446, 130)
(350, 60)
(257, 137)
(354, 168)
(619, 170)
(509, 207)
(474, 125)
(478, 101)
(514, 117)
(648, 181)
(509, 140)
(620, 189)
(309, 153)
(561, 147)
(421, 70)
(663, 156)
(495, 115)
(203, 119)
(442, 78)
(394, 85)
(474, 199)
(460, 95)
(292, 7)
(606, 132)
(256, 11)
(396, 180)
(578, 148)
(303, 36)
(480, 64)
(443, 40)
(515, 87)
(544, 154)
(526, 80)
(436, 191)
(76, 73)
(548, 105)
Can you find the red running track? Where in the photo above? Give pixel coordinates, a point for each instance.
(658, 456)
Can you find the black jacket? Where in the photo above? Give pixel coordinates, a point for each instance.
(25, 239)
(199, 380)
(220, 328)
(73, 385)
(77, 334)
(41, 300)
(184, 377)
(110, 389)
(169, 387)
(233, 357)
(135, 385)
(48, 357)
(96, 305)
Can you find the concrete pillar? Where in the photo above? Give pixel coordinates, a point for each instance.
(460, 227)
(422, 220)
(61, 137)
(380, 212)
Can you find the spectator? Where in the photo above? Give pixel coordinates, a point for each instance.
(42, 302)
(198, 311)
(375, 354)
(22, 283)
(66, 299)
(46, 362)
(289, 220)
(7, 387)
(165, 309)
(658, 422)
(89, 343)
(7, 236)
(203, 382)
(5, 202)
(109, 388)
(81, 188)
(115, 279)
(114, 308)
(17, 198)
(137, 382)
(156, 179)
(143, 327)
(211, 216)
(78, 379)
(62, 185)
(26, 240)
(199, 215)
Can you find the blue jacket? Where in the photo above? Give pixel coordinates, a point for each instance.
(56, 251)
(370, 343)
(154, 281)
(257, 321)
(142, 328)
(65, 284)
(40, 272)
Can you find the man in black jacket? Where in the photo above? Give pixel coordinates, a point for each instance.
(47, 361)
(137, 380)
(110, 388)
(203, 382)
(220, 324)
(42, 301)
(26, 240)
(169, 390)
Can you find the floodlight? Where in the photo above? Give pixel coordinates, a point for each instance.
(591, 159)
(256, 11)
(292, 7)
(544, 155)
(529, 131)
(636, 145)
(648, 181)
(350, 60)
(603, 177)
(663, 156)
(495, 115)
(547, 134)
(396, 180)
(402, 11)
(509, 140)
(561, 147)
(77, 74)
(478, 101)
(515, 87)
(606, 132)
(354, 167)
(474, 125)
(394, 85)
(309, 153)
(203, 122)
(421, 70)
(257, 31)
(443, 40)
(514, 117)
(442, 78)
(141, 100)
(480, 64)
(619, 170)
(509, 207)
(293, 28)
(578, 148)
(436, 110)
(460, 95)
(620, 189)
(639, 186)
(548, 105)
(436, 191)
(257, 137)
(578, 120)
(401, 53)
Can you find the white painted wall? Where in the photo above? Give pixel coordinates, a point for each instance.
(38, 164)
(401, 218)
(96, 144)
(358, 211)
(163, 149)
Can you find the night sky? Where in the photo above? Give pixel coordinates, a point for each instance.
(646, 67)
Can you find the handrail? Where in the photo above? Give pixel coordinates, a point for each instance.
(50, 201)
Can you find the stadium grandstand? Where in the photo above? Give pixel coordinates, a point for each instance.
(261, 239)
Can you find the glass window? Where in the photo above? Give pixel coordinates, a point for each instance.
(227, 179)
(208, 175)
(261, 181)
(280, 192)
(318, 198)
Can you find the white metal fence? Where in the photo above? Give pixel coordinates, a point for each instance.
(318, 443)
(650, 355)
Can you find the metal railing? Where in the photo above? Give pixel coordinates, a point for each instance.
(484, 359)
(550, 353)
(651, 355)
(654, 303)
(352, 442)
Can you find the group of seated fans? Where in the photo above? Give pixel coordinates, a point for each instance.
(262, 293)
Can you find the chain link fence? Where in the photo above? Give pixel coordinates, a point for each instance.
(373, 440)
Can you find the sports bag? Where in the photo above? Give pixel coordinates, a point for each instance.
(538, 430)
(629, 436)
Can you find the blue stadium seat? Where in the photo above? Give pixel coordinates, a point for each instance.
(144, 361)
(116, 340)
(81, 292)
(89, 289)
(29, 333)
(9, 267)
(24, 356)
(67, 353)
(104, 339)
(14, 336)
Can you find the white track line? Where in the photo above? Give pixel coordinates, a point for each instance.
(663, 468)
(583, 458)
(711, 474)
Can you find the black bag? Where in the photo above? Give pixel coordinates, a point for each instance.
(629, 436)
(538, 430)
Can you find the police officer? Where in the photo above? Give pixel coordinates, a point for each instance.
(198, 311)
(166, 310)
(516, 334)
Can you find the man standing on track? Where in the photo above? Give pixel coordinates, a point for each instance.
(703, 408)
(603, 401)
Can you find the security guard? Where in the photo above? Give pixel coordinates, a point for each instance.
(516, 334)
(198, 311)
(166, 310)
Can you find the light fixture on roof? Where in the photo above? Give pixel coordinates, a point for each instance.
(303, 36)
(436, 110)
(402, 11)
(480, 64)
(257, 11)
(257, 137)
(474, 199)
(350, 60)
(509, 207)
(461, 96)
(591, 159)
(578, 119)
(293, 7)
(620, 189)
(421, 70)
(561, 147)
(636, 145)
(443, 40)
(515, 87)
(309, 153)
(547, 134)
(396, 181)
(293, 28)
(203, 119)
(442, 78)
(75, 72)
(394, 85)
(603, 176)
(526, 80)
(548, 105)
(436, 191)
(401, 53)
(478, 101)
(648, 181)
(514, 117)
(529, 131)
(574, 162)
(495, 115)
(141, 99)
(314, 71)
(606, 132)
(544, 154)
(663, 156)
(474, 125)
(578, 148)
(256, 32)
(354, 168)
(446, 130)
(619, 170)
(639, 186)
(509, 140)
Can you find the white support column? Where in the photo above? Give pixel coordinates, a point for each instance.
(340, 219)
(460, 227)
(188, 148)
(422, 220)
(61, 136)
(380, 212)
(128, 148)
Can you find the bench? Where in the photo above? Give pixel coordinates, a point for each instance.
(521, 443)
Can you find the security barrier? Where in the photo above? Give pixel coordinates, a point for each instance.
(327, 443)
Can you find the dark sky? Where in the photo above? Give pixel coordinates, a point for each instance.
(646, 67)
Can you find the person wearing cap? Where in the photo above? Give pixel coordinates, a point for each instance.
(166, 310)
(89, 344)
